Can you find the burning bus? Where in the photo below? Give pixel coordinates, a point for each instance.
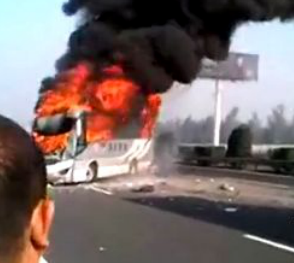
(93, 127)
(119, 58)
(81, 161)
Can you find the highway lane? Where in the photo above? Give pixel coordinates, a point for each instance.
(273, 223)
(94, 227)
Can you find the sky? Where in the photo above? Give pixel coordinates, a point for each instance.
(274, 43)
(34, 33)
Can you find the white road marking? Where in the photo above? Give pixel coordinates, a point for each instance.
(269, 243)
(100, 190)
(86, 187)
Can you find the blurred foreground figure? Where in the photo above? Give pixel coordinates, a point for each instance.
(26, 213)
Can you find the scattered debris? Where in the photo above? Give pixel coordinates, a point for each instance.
(212, 180)
(102, 249)
(231, 209)
(130, 185)
(227, 188)
(198, 181)
(163, 183)
(144, 189)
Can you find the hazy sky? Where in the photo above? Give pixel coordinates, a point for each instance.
(34, 33)
(274, 42)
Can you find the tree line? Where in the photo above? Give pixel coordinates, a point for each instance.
(277, 129)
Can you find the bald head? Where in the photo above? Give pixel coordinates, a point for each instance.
(22, 185)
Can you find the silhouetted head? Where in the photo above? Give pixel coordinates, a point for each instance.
(25, 211)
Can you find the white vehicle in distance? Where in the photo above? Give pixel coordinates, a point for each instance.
(81, 162)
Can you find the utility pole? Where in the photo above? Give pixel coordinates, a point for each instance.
(218, 113)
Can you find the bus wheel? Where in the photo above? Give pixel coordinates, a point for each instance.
(134, 167)
(92, 172)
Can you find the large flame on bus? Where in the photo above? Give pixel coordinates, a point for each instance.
(109, 102)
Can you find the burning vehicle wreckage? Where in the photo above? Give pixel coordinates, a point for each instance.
(122, 56)
(83, 160)
(76, 157)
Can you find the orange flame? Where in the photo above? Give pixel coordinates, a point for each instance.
(149, 115)
(109, 101)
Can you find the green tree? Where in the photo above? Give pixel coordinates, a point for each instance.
(277, 126)
(240, 142)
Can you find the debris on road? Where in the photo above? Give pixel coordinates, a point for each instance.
(149, 188)
(130, 185)
(227, 188)
(102, 249)
(198, 181)
(163, 183)
(229, 192)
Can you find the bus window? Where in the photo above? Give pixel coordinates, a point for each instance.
(110, 147)
(102, 144)
(125, 147)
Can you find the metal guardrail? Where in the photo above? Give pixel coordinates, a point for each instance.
(256, 148)
(244, 160)
(236, 162)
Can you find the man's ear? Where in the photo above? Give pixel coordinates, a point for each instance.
(41, 223)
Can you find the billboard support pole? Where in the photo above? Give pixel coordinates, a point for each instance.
(218, 113)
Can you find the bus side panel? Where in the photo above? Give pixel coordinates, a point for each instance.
(145, 157)
(111, 163)
(114, 170)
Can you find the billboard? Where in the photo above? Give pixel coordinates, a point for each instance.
(238, 67)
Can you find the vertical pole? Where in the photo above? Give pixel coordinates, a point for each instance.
(78, 129)
(218, 113)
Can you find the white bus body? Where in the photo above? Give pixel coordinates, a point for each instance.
(103, 160)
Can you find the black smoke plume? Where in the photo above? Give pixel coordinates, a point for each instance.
(160, 41)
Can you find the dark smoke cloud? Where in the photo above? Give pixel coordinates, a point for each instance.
(158, 41)
(47, 84)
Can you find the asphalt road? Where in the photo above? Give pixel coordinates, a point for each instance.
(91, 227)
(240, 174)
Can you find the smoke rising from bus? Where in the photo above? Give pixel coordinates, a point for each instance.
(146, 45)
(159, 42)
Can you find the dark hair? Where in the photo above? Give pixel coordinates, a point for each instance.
(22, 183)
